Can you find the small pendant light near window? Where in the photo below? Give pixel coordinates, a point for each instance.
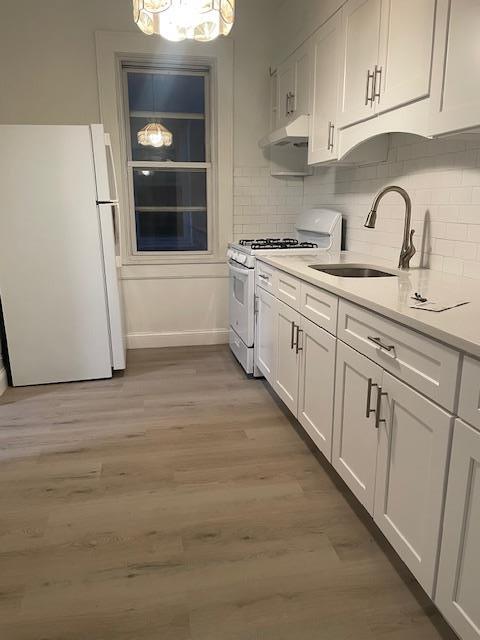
(155, 134)
(177, 20)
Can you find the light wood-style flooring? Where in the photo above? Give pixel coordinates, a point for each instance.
(180, 502)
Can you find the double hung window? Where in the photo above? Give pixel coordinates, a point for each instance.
(170, 186)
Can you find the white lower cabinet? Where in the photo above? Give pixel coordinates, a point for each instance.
(457, 594)
(317, 384)
(412, 463)
(355, 437)
(265, 333)
(304, 370)
(390, 444)
(287, 355)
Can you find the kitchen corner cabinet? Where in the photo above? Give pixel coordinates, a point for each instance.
(326, 50)
(355, 437)
(414, 441)
(387, 56)
(457, 591)
(265, 333)
(455, 86)
(293, 86)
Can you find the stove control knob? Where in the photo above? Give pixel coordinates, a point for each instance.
(230, 254)
(241, 257)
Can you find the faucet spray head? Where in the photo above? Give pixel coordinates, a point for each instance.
(371, 220)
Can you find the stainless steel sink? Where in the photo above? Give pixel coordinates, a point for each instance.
(352, 271)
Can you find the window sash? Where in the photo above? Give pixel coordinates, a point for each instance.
(133, 231)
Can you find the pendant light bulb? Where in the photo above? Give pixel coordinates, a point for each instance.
(177, 20)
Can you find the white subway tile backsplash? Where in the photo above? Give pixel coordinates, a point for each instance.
(264, 205)
(443, 180)
(441, 176)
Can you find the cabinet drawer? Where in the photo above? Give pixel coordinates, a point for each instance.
(265, 277)
(288, 289)
(320, 307)
(425, 364)
(469, 407)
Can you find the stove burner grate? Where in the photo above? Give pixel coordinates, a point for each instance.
(287, 243)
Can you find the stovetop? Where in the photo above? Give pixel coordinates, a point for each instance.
(275, 243)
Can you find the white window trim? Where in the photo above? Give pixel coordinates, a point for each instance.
(114, 48)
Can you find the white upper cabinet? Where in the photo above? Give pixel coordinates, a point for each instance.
(414, 439)
(457, 587)
(326, 50)
(405, 55)
(387, 56)
(294, 86)
(355, 437)
(361, 28)
(455, 86)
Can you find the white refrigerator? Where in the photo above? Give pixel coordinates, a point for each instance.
(59, 254)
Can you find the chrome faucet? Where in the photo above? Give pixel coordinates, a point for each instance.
(408, 250)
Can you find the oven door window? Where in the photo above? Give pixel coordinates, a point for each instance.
(242, 297)
(239, 289)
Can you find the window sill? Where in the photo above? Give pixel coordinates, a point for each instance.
(174, 259)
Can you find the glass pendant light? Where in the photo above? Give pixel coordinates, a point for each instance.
(155, 134)
(177, 20)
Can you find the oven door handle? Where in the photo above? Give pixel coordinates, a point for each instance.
(242, 271)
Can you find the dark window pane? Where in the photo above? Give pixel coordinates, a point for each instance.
(159, 188)
(172, 231)
(188, 141)
(168, 93)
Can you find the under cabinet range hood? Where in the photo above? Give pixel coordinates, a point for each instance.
(295, 132)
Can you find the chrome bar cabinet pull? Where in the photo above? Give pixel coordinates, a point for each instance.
(379, 343)
(331, 130)
(377, 84)
(378, 412)
(292, 336)
(371, 384)
(368, 97)
(298, 348)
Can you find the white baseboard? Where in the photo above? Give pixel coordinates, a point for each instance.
(177, 339)
(3, 381)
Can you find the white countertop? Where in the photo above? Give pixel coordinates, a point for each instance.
(391, 297)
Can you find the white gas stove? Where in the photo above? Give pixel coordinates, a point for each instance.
(317, 231)
(245, 251)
